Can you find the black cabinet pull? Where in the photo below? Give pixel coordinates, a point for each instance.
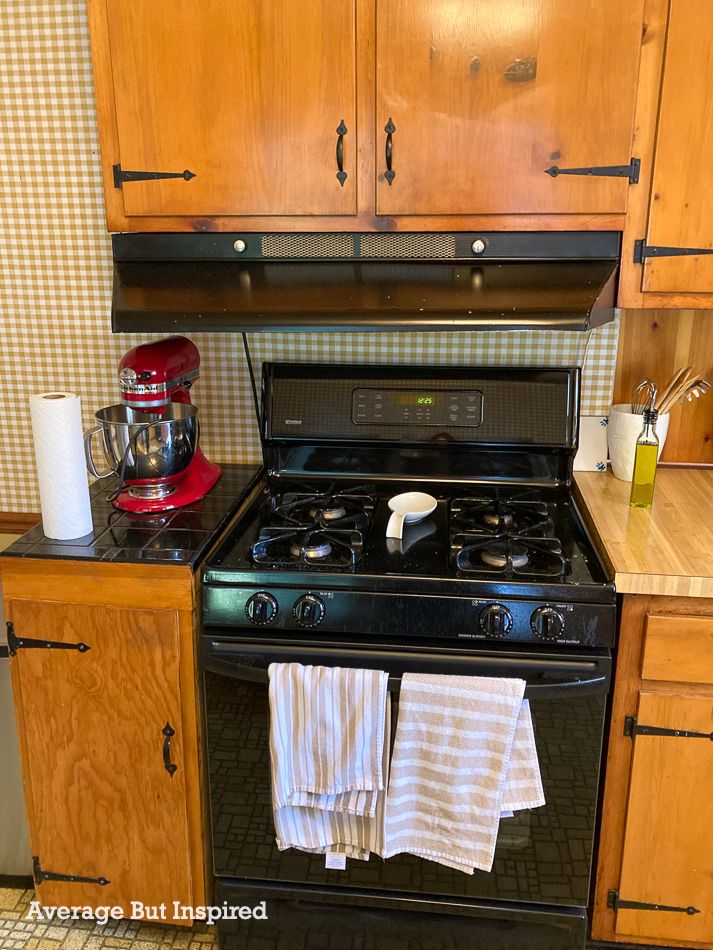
(389, 128)
(341, 132)
(167, 731)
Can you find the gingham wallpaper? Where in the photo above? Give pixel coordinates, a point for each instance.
(55, 271)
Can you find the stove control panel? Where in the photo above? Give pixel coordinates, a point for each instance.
(371, 614)
(418, 407)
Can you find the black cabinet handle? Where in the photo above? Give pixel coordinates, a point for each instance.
(389, 128)
(341, 132)
(167, 763)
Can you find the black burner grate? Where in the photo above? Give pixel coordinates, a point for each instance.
(312, 547)
(509, 556)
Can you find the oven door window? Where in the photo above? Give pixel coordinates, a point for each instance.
(542, 855)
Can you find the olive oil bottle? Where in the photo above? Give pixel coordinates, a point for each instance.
(647, 450)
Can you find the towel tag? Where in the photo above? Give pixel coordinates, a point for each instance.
(335, 862)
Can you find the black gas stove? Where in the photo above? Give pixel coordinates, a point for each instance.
(500, 580)
(504, 556)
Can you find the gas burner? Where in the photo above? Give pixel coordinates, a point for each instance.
(522, 513)
(328, 509)
(297, 548)
(312, 550)
(333, 513)
(502, 554)
(509, 555)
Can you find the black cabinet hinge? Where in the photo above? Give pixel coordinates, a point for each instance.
(642, 251)
(41, 875)
(120, 176)
(15, 643)
(630, 171)
(632, 728)
(614, 902)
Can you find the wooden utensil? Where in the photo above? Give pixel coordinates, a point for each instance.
(677, 378)
(692, 386)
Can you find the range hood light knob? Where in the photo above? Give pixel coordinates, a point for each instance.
(239, 246)
(478, 246)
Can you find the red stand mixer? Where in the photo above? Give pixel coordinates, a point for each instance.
(151, 440)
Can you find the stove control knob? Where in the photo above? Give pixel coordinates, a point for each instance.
(308, 610)
(261, 608)
(496, 621)
(547, 623)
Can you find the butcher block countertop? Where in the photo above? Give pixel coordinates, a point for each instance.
(665, 550)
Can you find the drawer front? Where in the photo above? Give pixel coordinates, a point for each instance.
(678, 649)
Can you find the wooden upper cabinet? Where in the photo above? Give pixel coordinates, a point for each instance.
(667, 844)
(101, 802)
(247, 97)
(681, 208)
(485, 96)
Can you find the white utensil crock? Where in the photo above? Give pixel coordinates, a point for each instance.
(622, 432)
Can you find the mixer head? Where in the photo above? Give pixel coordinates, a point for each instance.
(154, 374)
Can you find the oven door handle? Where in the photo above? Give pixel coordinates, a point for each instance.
(585, 677)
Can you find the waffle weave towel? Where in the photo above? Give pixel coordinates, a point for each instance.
(464, 753)
(329, 731)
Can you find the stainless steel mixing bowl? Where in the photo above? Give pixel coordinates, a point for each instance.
(141, 446)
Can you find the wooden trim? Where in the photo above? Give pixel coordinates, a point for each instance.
(645, 122)
(17, 522)
(372, 222)
(195, 765)
(155, 587)
(107, 128)
(618, 764)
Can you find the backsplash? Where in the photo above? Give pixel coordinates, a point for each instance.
(55, 286)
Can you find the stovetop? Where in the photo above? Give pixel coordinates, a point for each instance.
(504, 555)
(490, 533)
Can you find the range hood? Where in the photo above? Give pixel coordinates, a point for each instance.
(239, 282)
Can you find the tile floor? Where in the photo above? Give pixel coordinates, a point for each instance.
(18, 933)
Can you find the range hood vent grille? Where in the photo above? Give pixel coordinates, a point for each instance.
(308, 246)
(425, 246)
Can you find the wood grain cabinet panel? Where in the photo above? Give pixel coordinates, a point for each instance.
(678, 649)
(101, 802)
(681, 209)
(655, 865)
(667, 857)
(245, 96)
(485, 96)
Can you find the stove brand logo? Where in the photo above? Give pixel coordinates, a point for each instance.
(293, 422)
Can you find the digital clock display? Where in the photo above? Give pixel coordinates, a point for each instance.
(444, 408)
(409, 397)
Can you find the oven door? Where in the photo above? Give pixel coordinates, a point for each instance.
(543, 856)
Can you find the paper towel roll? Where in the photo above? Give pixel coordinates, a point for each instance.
(59, 456)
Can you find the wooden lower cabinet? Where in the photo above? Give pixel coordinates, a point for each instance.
(655, 873)
(105, 702)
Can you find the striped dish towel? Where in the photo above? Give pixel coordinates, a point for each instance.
(464, 753)
(329, 730)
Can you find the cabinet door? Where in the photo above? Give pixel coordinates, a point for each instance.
(101, 802)
(485, 96)
(669, 823)
(681, 212)
(246, 96)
